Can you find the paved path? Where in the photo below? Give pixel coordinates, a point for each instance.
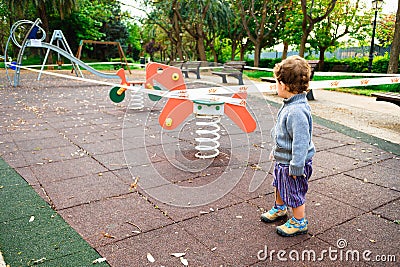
(104, 169)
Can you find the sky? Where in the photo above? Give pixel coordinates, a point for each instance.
(129, 5)
(389, 6)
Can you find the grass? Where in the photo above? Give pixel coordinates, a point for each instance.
(368, 90)
(365, 90)
(100, 67)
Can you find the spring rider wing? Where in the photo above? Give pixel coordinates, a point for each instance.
(175, 111)
(240, 115)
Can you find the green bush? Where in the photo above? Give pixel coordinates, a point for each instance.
(264, 62)
(360, 64)
(380, 64)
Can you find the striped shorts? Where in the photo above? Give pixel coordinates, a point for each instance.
(292, 191)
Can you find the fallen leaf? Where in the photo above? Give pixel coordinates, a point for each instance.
(397, 221)
(178, 255)
(255, 167)
(372, 241)
(35, 262)
(134, 184)
(32, 219)
(317, 204)
(239, 217)
(131, 223)
(99, 260)
(184, 261)
(108, 235)
(214, 248)
(150, 258)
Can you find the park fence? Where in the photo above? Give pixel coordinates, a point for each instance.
(340, 53)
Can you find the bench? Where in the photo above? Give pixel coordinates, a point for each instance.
(233, 69)
(268, 79)
(177, 64)
(388, 97)
(191, 66)
(340, 68)
(314, 65)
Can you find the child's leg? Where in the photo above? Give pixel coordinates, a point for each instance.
(278, 199)
(299, 212)
(277, 211)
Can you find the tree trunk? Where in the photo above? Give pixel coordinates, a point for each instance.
(304, 38)
(234, 47)
(242, 52)
(46, 28)
(178, 34)
(285, 49)
(200, 44)
(394, 52)
(257, 54)
(321, 58)
(179, 51)
(214, 52)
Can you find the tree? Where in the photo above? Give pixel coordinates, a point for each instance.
(347, 18)
(218, 18)
(261, 20)
(385, 29)
(290, 34)
(162, 16)
(201, 17)
(113, 28)
(394, 52)
(135, 40)
(4, 25)
(152, 47)
(235, 33)
(322, 8)
(43, 9)
(88, 21)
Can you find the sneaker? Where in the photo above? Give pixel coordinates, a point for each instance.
(292, 228)
(273, 214)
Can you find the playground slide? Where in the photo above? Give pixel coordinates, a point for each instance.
(76, 61)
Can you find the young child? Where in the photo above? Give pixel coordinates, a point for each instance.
(293, 148)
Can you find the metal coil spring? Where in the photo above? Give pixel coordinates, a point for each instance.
(208, 145)
(137, 101)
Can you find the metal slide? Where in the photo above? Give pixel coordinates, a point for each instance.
(75, 60)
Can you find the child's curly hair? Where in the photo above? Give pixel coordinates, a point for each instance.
(295, 73)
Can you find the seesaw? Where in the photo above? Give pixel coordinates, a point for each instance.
(207, 108)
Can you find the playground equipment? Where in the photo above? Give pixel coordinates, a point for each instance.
(120, 50)
(31, 40)
(58, 36)
(207, 109)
